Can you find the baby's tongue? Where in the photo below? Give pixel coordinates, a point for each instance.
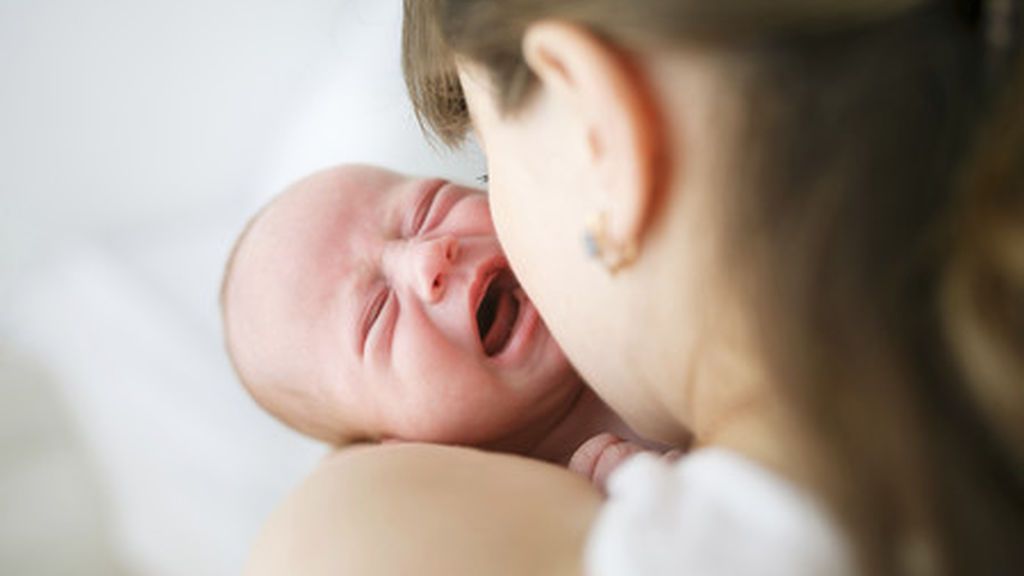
(497, 336)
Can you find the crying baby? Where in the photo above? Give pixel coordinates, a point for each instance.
(362, 305)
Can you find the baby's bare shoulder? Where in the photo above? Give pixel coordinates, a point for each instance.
(426, 509)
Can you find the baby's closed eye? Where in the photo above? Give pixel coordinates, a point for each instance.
(377, 317)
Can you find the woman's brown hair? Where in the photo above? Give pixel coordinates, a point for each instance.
(881, 218)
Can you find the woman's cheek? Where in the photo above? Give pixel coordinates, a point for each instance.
(513, 226)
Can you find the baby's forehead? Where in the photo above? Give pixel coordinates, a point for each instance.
(336, 193)
(309, 209)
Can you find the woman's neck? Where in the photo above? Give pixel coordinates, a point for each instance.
(739, 411)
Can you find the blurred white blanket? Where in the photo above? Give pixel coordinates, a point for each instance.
(143, 135)
(129, 329)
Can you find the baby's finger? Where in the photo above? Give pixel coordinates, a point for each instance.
(584, 460)
(672, 455)
(610, 458)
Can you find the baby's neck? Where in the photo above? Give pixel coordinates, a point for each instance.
(558, 438)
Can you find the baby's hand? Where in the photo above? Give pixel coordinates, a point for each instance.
(596, 458)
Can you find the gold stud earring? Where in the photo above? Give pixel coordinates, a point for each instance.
(599, 245)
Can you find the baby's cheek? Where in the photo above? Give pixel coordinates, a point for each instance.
(458, 414)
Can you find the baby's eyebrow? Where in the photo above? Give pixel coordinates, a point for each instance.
(422, 206)
(406, 206)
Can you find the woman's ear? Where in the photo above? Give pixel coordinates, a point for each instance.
(602, 89)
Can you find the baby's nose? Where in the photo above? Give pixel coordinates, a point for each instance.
(432, 261)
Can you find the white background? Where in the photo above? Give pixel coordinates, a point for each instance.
(136, 137)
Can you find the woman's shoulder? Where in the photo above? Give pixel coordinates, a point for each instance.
(712, 512)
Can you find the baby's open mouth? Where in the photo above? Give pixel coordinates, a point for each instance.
(496, 316)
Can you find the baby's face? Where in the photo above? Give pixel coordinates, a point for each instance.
(385, 305)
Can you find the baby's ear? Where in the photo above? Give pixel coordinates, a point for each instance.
(390, 440)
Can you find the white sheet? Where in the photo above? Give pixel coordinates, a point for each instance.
(140, 137)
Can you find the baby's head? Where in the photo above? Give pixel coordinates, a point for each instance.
(361, 304)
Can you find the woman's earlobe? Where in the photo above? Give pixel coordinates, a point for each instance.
(604, 91)
(599, 245)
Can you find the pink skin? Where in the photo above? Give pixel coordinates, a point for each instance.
(599, 456)
(360, 289)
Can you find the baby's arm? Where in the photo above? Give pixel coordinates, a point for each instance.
(599, 456)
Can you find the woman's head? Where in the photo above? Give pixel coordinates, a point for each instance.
(791, 177)
(578, 143)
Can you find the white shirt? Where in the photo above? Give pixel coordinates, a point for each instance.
(711, 513)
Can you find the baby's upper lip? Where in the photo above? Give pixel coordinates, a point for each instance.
(480, 278)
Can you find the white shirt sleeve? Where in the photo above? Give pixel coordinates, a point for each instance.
(711, 513)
